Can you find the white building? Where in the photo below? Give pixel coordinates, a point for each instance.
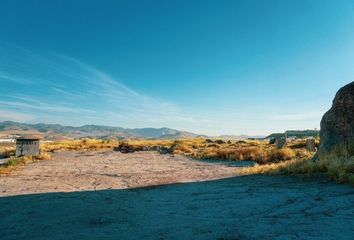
(7, 140)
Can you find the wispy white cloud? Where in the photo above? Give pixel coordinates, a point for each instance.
(36, 105)
(66, 88)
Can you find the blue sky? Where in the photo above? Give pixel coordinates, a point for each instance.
(211, 67)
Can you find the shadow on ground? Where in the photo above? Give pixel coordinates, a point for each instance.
(249, 207)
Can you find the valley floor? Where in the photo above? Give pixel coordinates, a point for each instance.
(109, 195)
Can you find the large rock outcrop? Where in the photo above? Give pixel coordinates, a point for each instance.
(337, 126)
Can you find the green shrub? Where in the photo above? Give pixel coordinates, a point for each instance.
(13, 161)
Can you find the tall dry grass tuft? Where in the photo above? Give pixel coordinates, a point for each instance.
(259, 154)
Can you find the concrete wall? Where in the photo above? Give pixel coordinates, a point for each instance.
(27, 147)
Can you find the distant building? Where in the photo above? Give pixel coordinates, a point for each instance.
(7, 140)
(27, 146)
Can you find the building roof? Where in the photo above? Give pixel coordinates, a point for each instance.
(29, 137)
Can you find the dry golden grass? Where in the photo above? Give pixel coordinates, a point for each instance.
(301, 143)
(7, 150)
(337, 169)
(200, 148)
(275, 168)
(85, 144)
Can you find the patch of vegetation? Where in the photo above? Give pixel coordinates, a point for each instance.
(337, 169)
(200, 148)
(7, 150)
(294, 159)
(47, 147)
(84, 144)
(301, 143)
(13, 162)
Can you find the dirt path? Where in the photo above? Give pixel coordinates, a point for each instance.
(248, 207)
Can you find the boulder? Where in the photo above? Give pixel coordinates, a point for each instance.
(337, 126)
(280, 142)
(311, 145)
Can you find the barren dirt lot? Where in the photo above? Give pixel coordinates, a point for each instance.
(96, 170)
(98, 195)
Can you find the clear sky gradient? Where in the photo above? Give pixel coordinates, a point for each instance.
(210, 67)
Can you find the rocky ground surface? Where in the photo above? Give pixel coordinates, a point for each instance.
(99, 195)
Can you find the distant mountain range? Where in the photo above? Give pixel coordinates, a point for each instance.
(60, 132)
